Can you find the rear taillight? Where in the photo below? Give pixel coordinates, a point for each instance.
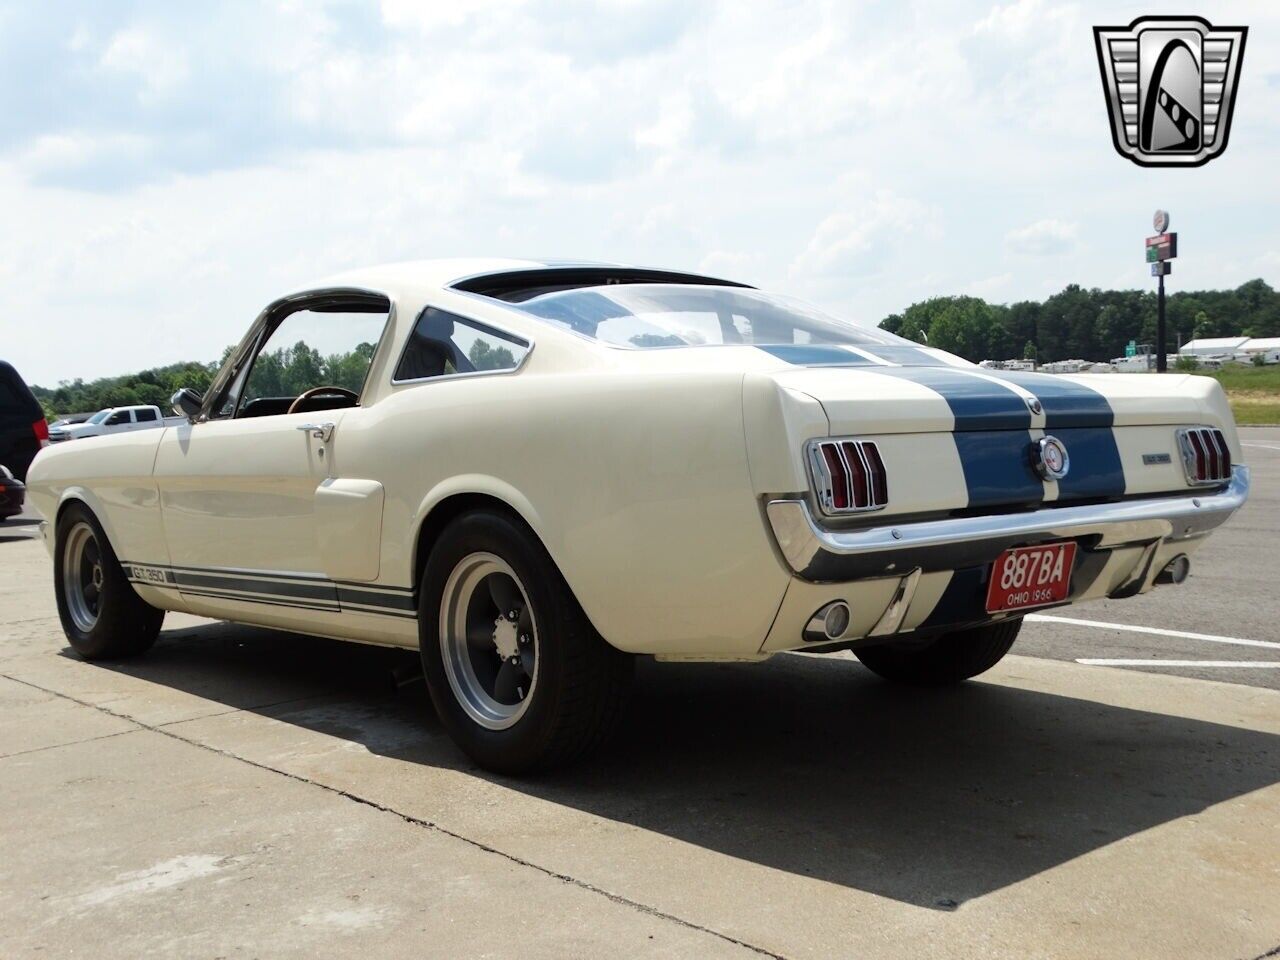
(1206, 458)
(41, 428)
(848, 475)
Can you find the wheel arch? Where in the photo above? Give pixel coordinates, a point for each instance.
(85, 498)
(448, 504)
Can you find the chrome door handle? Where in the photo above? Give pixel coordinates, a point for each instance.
(321, 431)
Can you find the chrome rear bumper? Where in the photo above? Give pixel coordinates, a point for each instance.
(822, 555)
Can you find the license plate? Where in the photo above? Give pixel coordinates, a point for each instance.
(1031, 577)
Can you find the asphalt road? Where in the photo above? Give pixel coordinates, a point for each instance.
(1233, 594)
(243, 792)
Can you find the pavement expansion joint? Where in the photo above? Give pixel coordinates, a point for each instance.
(410, 819)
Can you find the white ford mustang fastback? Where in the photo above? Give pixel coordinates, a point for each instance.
(531, 471)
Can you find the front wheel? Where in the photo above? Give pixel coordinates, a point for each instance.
(101, 614)
(950, 658)
(519, 677)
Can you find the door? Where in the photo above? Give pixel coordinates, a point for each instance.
(239, 490)
(119, 422)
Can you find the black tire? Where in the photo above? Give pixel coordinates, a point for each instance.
(949, 659)
(124, 625)
(581, 685)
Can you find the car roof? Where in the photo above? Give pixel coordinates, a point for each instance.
(11, 377)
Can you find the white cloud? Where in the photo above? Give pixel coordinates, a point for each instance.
(854, 241)
(173, 169)
(160, 63)
(1043, 238)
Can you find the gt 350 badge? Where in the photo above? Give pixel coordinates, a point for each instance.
(148, 574)
(1170, 84)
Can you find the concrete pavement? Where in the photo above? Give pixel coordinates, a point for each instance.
(243, 792)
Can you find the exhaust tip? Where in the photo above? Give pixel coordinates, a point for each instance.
(1175, 571)
(829, 622)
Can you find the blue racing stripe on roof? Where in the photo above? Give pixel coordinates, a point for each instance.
(1066, 403)
(816, 354)
(976, 402)
(906, 355)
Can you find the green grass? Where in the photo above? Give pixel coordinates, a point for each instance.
(1252, 379)
(1254, 392)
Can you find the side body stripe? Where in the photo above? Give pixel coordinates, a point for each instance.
(282, 589)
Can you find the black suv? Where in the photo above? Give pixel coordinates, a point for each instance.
(23, 430)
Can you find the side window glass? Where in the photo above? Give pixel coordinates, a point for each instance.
(327, 352)
(117, 418)
(145, 416)
(443, 344)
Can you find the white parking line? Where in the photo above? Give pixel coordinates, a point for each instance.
(1130, 628)
(1246, 664)
(1261, 446)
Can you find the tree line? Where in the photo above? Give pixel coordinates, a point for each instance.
(285, 372)
(1080, 324)
(1074, 324)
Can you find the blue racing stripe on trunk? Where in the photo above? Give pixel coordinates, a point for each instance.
(997, 467)
(1066, 403)
(1096, 470)
(976, 402)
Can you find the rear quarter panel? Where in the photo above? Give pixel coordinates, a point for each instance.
(637, 484)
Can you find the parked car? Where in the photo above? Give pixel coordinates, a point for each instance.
(12, 494)
(57, 429)
(537, 470)
(23, 428)
(116, 420)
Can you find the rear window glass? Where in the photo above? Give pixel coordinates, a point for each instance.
(679, 315)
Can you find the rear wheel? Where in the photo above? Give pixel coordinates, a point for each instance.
(101, 614)
(518, 675)
(950, 658)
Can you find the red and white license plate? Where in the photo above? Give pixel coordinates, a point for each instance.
(1031, 577)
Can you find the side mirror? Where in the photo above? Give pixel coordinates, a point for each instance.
(187, 403)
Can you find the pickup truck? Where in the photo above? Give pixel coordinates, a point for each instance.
(115, 420)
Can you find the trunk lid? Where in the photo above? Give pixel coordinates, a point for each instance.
(957, 437)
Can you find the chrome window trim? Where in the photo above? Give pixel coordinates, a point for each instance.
(528, 343)
(242, 358)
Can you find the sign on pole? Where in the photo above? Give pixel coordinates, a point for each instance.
(1161, 249)
(1163, 246)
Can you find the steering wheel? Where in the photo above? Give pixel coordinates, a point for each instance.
(316, 391)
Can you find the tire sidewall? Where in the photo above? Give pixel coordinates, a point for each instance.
(519, 746)
(96, 642)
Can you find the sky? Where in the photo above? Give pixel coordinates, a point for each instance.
(167, 169)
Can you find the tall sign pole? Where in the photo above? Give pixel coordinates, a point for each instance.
(1161, 249)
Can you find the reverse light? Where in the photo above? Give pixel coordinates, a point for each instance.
(1206, 458)
(849, 476)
